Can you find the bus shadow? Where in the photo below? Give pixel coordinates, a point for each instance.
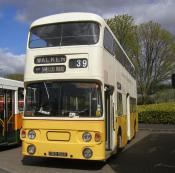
(62, 163)
(4, 148)
(153, 154)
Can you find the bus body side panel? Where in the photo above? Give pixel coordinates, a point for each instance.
(64, 136)
(132, 120)
(134, 123)
(122, 123)
(18, 125)
(136, 118)
(18, 121)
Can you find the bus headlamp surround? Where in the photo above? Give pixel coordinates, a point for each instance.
(31, 149)
(86, 136)
(31, 134)
(87, 153)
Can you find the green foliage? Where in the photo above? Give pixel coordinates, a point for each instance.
(161, 96)
(163, 113)
(155, 61)
(16, 76)
(165, 95)
(124, 29)
(151, 49)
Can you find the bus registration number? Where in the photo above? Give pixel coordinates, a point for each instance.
(61, 154)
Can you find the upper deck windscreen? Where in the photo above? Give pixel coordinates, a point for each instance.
(64, 34)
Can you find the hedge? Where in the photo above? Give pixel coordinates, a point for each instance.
(163, 113)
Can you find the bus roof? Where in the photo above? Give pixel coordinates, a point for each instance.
(68, 17)
(10, 84)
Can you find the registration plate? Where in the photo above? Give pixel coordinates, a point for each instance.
(61, 154)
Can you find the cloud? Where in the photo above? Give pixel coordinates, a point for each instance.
(21, 17)
(10, 63)
(161, 11)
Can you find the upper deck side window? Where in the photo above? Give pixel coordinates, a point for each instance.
(108, 41)
(114, 49)
(64, 34)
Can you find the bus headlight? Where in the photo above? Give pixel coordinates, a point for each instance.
(86, 136)
(31, 134)
(87, 153)
(31, 149)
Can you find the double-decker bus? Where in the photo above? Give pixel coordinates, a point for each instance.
(11, 110)
(80, 89)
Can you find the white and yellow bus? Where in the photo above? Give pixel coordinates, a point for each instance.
(11, 110)
(80, 89)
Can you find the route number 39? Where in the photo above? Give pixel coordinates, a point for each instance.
(78, 63)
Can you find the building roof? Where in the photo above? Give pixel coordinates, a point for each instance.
(10, 84)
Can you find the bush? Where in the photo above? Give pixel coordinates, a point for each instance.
(163, 113)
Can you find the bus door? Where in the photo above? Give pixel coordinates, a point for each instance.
(10, 118)
(128, 116)
(108, 115)
(2, 116)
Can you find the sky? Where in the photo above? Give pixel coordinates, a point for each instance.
(17, 15)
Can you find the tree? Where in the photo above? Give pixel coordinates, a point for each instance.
(15, 76)
(151, 49)
(154, 60)
(124, 29)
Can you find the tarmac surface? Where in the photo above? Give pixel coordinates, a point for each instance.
(157, 127)
(153, 154)
(152, 151)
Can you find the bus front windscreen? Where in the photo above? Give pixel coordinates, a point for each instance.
(63, 99)
(64, 34)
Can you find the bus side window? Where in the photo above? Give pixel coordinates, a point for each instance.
(132, 105)
(119, 104)
(20, 99)
(108, 41)
(1, 104)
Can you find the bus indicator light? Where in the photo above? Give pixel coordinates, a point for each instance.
(23, 133)
(97, 137)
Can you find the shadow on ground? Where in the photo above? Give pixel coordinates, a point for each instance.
(63, 163)
(153, 154)
(3, 171)
(4, 148)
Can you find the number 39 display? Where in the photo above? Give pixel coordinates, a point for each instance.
(78, 63)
